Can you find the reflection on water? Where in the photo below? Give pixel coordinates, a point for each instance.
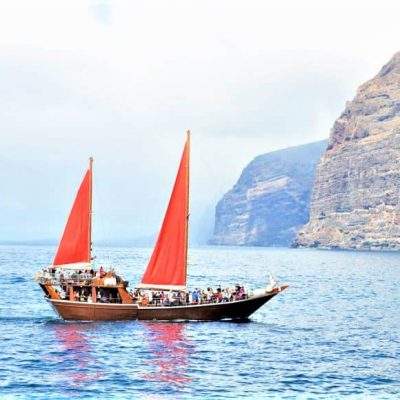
(169, 349)
(77, 354)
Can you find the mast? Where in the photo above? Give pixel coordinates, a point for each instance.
(187, 200)
(90, 206)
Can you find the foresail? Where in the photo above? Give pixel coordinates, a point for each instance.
(75, 243)
(167, 267)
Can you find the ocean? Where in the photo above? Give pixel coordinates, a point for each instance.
(335, 333)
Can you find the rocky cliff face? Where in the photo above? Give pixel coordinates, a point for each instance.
(356, 197)
(271, 199)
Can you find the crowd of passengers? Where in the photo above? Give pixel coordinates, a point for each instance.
(141, 296)
(85, 295)
(197, 296)
(84, 275)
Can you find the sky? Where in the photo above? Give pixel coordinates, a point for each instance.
(122, 81)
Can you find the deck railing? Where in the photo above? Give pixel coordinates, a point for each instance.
(75, 280)
(180, 302)
(52, 279)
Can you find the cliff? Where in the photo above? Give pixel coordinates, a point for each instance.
(270, 201)
(356, 197)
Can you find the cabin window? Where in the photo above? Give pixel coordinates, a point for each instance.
(108, 295)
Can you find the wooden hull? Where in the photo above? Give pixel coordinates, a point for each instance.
(241, 309)
(235, 310)
(79, 311)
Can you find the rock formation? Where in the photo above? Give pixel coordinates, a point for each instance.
(356, 197)
(271, 199)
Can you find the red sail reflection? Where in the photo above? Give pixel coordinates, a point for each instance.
(169, 347)
(73, 339)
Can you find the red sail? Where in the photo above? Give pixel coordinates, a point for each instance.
(75, 243)
(167, 265)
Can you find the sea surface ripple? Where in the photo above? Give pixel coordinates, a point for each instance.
(334, 333)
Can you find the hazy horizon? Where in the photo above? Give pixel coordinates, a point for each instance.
(122, 81)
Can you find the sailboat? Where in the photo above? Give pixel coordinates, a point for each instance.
(71, 284)
(77, 291)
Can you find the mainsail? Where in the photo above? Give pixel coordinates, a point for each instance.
(75, 244)
(167, 268)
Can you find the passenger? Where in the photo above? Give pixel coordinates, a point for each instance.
(171, 297)
(182, 298)
(156, 298)
(235, 292)
(195, 298)
(218, 295)
(203, 296)
(209, 295)
(102, 272)
(104, 298)
(139, 297)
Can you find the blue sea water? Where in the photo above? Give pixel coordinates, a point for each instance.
(335, 333)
